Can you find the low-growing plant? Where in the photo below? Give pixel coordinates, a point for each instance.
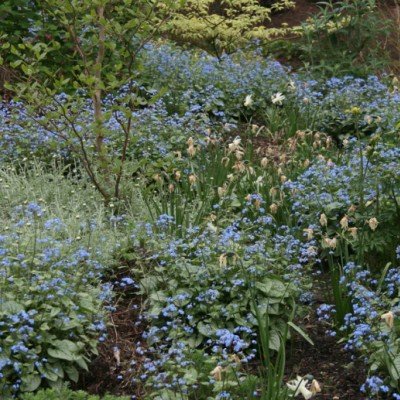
(210, 271)
(68, 394)
(49, 332)
(52, 303)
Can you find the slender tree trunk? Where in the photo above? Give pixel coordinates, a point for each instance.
(97, 105)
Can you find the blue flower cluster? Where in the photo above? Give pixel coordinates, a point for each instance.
(200, 287)
(51, 302)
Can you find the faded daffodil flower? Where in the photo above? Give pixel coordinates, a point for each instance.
(217, 373)
(388, 318)
(331, 243)
(298, 386)
(223, 260)
(117, 355)
(373, 223)
(352, 209)
(234, 358)
(157, 178)
(344, 222)
(192, 179)
(248, 101)
(353, 232)
(309, 232)
(273, 192)
(315, 387)
(264, 162)
(368, 119)
(273, 208)
(323, 220)
(221, 191)
(191, 151)
(235, 145)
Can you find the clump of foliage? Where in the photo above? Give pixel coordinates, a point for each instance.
(345, 37)
(223, 26)
(67, 394)
(51, 299)
(246, 201)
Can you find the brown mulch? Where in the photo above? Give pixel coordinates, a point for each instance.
(326, 361)
(296, 15)
(110, 372)
(340, 376)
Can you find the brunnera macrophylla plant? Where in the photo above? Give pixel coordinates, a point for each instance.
(353, 201)
(51, 302)
(104, 38)
(68, 394)
(242, 272)
(371, 327)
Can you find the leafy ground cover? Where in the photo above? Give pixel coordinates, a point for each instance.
(254, 252)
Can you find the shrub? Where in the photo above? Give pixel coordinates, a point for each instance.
(345, 37)
(223, 26)
(101, 60)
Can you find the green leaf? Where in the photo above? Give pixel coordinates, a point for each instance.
(11, 307)
(54, 311)
(333, 207)
(48, 371)
(30, 383)
(191, 376)
(61, 354)
(72, 373)
(301, 332)
(82, 363)
(204, 329)
(63, 350)
(394, 368)
(274, 341)
(272, 288)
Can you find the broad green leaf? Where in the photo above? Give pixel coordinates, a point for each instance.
(30, 382)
